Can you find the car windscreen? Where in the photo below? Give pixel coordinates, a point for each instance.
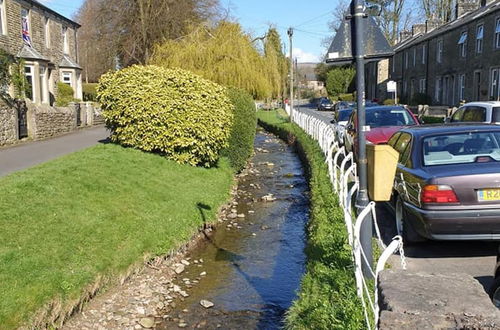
(388, 117)
(461, 148)
(344, 115)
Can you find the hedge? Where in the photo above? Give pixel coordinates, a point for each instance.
(243, 132)
(64, 94)
(169, 111)
(89, 92)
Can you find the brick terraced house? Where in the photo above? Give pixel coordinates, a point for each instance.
(452, 62)
(47, 41)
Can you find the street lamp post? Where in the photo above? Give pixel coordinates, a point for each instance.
(290, 36)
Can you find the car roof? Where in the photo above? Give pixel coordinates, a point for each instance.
(491, 103)
(436, 129)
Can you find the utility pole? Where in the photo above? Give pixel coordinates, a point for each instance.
(362, 200)
(290, 36)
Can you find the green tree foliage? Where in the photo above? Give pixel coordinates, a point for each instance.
(12, 73)
(89, 92)
(226, 55)
(243, 132)
(170, 111)
(64, 94)
(338, 80)
(277, 64)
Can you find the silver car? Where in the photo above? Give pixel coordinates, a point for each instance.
(477, 112)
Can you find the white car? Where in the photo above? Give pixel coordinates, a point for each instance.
(477, 112)
(340, 120)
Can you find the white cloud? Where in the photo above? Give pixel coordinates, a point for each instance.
(304, 57)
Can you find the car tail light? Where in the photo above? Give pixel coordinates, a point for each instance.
(438, 194)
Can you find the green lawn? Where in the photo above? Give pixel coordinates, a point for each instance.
(327, 296)
(95, 212)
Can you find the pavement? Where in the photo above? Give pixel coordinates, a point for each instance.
(28, 154)
(475, 258)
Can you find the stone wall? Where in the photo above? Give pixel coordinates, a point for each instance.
(8, 125)
(434, 301)
(46, 121)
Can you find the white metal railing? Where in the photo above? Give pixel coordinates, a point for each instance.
(345, 185)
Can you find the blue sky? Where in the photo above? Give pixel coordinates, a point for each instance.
(309, 17)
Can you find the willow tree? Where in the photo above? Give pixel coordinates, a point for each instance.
(224, 54)
(276, 62)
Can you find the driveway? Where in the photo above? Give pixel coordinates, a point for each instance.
(471, 257)
(29, 154)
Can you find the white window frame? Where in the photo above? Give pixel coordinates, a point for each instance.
(495, 84)
(421, 85)
(406, 59)
(65, 74)
(33, 82)
(414, 56)
(424, 53)
(3, 18)
(461, 87)
(47, 31)
(44, 84)
(479, 38)
(439, 51)
(462, 44)
(438, 89)
(497, 33)
(65, 40)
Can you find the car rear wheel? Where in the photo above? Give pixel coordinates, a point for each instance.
(403, 226)
(495, 292)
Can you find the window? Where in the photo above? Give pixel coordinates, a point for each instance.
(67, 78)
(421, 85)
(474, 114)
(65, 40)
(439, 51)
(494, 84)
(479, 38)
(406, 60)
(3, 18)
(457, 116)
(495, 117)
(462, 44)
(497, 33)
(414, 56)
(424, 53)
(47, 32)
(461, 87)
(30, 91)
(25, 22)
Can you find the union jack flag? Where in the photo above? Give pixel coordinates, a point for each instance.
(26, 29)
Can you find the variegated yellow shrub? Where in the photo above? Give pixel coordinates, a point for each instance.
(170, 111)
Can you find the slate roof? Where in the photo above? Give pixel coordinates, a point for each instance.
(307, 71)
(452, 25)
(68, 63)
(31, 53)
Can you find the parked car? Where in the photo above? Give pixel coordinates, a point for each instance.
(343, 105)
(383, 121)
(325, 105)
(447, 184)
(339, 121)
(479, 112)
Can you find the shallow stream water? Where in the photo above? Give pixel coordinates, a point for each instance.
(253, 263)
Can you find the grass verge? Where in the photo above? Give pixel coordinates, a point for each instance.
(327, 297)
(91, 215)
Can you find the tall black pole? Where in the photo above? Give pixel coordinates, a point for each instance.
(290, 36)
(362, 200)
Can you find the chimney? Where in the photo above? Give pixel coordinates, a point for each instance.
(418, 29)
(403, 35)
(465, 6)
(432, 24)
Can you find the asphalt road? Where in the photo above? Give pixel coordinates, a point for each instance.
(32, 153)
(474, 258)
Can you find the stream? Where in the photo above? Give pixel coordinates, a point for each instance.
(250, 268)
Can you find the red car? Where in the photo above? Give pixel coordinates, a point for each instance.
(383, 122)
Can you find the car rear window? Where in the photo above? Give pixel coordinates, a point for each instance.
(496, 115)
(344, 115)
(461, 148)
(474, 114)
(389, 117)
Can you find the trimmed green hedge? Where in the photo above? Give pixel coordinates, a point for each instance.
(169, 111)
(243, 133)
(327, 297)
(64, 94)
(89, 92)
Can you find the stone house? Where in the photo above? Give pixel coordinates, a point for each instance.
(47, 41)
(308, 79)
(452, 62)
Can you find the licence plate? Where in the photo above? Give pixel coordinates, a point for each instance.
(488, 195)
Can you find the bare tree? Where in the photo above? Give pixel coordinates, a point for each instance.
(438, 9)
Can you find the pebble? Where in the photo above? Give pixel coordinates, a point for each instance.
(147, 322)
(206, 303)
(185, 262)
(179, 269)
(182, 325)
(203, 273)
(241, 215)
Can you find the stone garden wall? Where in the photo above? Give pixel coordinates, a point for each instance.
(8, 125)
